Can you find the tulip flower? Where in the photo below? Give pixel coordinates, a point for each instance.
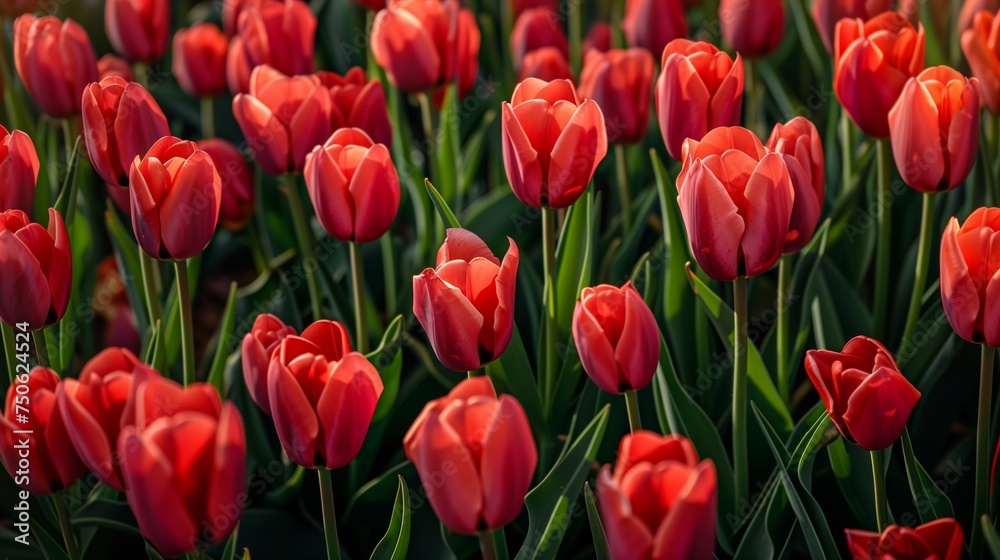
(872, 62)
(799, 144)
(651, 24)
(621, 82)
(184, 465)
(236, 179)
(699, 89)
(121, 121)
(111, 65)
(546, 64)
(551, 166)
(520, 6)
(110, 302)
(138, 29)
(534, 29)
(353, 185)
(373, 5)
(972, 7)
(259, 345)
(232, 9)
(322, 396)
(358, 103)
(37, 270)
(14, 8)
(18, 171)
(968, 277)
(754, 30)
(276, 34)
(466, 304)
(55, 61)
(617, 338)
(485, 444)
(827, 13)
(598, 38)
(940, 539)
(978, 44)
(660, 502)
(864, 392)
(175, 196)
(200, 60)
(467, 58)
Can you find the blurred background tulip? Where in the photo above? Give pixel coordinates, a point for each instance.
(110, 303)
(536, 28)
(651, 24)
(753, 29)
(357, 102)
(979, 45)
(621, 82)
(199, 60)
(258, 346)
(800, 145)
(14, 8)
(111, 65)
(38, 270)
(236, 179)
(598, 38)
(546, 64)
(941, 539)
(373, 5)
(55, 60)
(968, 276)
(18, 171)
(277, 34)
(827, 13)
(520, 6)
(138, 29)
(969, 10)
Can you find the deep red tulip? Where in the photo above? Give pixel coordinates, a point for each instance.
(37, 270)
(467, 65)
(872, 61)
(278, 34)
(358, 102)
(110, 302)
(112, 65)
(552, 142)
(598, 38)
(651, 24)
(979, 45)
(259, 345)
(175, 196)
(121, 121)
(237, 205)
(520, 6)
(322, 396)
(826, 14)
(940, 539)
(546, 64)
(736, 197)
(755, 29)
(866, 396)
(373, 5)
(14, 8)
(970, 290)
(485, 445)
(353, 185)
(232, 9)
(617, 337)
(200, 60)
(934, 128)
(51, 464)
(800, 145)
(55, 61)
(700, 88)
(661, 502)
(972, 7)
(466, 304)
(283, 118)
(184, 465)
(534, 29)
(621, 82)
(138, 29)
(18, 171)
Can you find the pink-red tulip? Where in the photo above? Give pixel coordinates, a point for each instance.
(552, 142)
(18, 171)
(970, 288)
(534, 29)
(546, 64)
(200, 60)
(753, 29)
(621, 82)
(799, 144)
(259, 345)
(138, 29)
(358, 102)
(278, 34)
(485, 445)
(37, 270)
(112, 65)
(55, 61)
(236, 176)
(940, 539)
(466, 304)
(979, 43)
(651, 24)
(827, 13)
(598, 38)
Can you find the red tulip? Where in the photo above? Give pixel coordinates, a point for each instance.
(485, 446)
(236, 179)
(736, 197)
(14, 8)
(175, 195)
(598, 38)
(534, 29)
(277, 34)
(232, 9)
(799, 144)
(969, 287)
(866, 396)
(138, 29)
(699, 89)
(972, 7)
(358, 103)
(621, 82)
(827, 13)
(184, 465)
(520, 6)
(753, 30)
(546, 64)
(373, 5)
(200, 60)
(934, 128)
(873, 60)
(940, 539)
(55, 61)
(259, 345)
(617, 337)
(121, 121)
(467, 63)
(979, 45)
(51, 463)
(18, 171)
(37, 269)
(322, 396)
(111, 65)
(353, 185)
(661, 502)
(283, 118)
(466, 304)
(110, 302)
(552, 142)
(651, 24)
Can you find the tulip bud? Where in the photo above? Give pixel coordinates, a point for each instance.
(940, 539)
(534, 29)
(55, 61)
(357, 102)
(259, 345)
(236, 179)
(978, 44)
(753, 29)
(138, 29)
(18, 171)
(827, 13)
(651, 24)
(968, 276)
(546, 64)
(277, 34)
(111, 65)
(37, 270)
(486, 444)
(200, 60)
(621, 82)
(598, 38)
(799, 144)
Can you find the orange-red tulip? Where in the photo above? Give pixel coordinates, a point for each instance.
(651, 24)
(200, 60)
(753, 29)
(138, 29)
(55, 61)
(940, 539)
(37, 270)
(236, 176)
(826, 14)
(358, 103)
(546, 64)
(979, 43)
(534, 29)
(278, 34)
(484, 447)
(799, 144)
(112, 65)
(18, 171)
(621, 82)
(970, 287)
(259, 345)
(466, 304)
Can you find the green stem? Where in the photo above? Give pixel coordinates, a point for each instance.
(621, 165)
(486, 545)
(920, 276)
(256, 248)
(784, 291)
(187, 324)
(500, 544)
(41, 348)
(882, 248)
(551, 356)
(754, 113)
(389, 270)
(301, 224)
(358, 287)
(148, 266)
(878, 476)
(207, 117)
(67, 529)
(9, 346)
(740, 463)
(141, 74)
(982, 448)
(329, 514)
(69, 138)
(632, 406)
(575, 37)
(846, 152)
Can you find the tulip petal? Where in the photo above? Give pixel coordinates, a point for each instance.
(189, 212)
(452, 323)
(346, 407)
(628, 536)
(375, 190)
(228, 476)
(294, 417)
(581, 146)
(991, 311)
(506, 283)
(878, 409)
(508, 463)
(87, 436)
(916, 138)
(713, 223)
(688, 531)
(768, 215)
(25, 295)
(521, 161)
(959, 295)
(638, 351)
(328, 190)
(463, 245)
(267, 137)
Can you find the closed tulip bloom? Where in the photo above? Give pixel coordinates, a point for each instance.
(486, 444)
(979, 43)
(175, 196)
(184, 465)
(699, 89)
(277, 34)
(972, 7)
(867, 397)
(617, 337)
(200, 60)
(236, 179)
(552, 142)
(934, 128)
(970, 288)
(466, 304)
(546, 64)
(736, 198)
(112, 65)
(138, 29)
(520, 6)
(754, 30)
(827, 13)
(800, 145)
(598, 38)
(121, 121)
(55, 61)
(357, 102)
(353, 185)
(534, 29)
(18, 171)
(53, 464)
(37, 269)
(259, 345)
(467, 59)
(940, 539)
(621, 82)
(232, 9)
(872, 62)
(651, 24)
(322, 395)
(660, 502)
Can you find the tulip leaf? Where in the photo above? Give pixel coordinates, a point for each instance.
(151, 552)
(596, 527)
(511, 373)
(106, 513)
(930, 501)
(810, 447)
(757, 541)
(472, 155)
(441, 205)
(229, 552)
(127, 256)
(394, 544)
(573, 258)
(388, 360)
(446, 143)
(991, 537)
(68, 190)
(462, 547)
(51, 548)
(857, 490)
(223, 344)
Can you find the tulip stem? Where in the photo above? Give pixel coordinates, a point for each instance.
(41, 348)
(621, 165)
(486, 545)
(551, 357)
(207, 117)
(632, 406)
(884, 218)
(878, 476)
(187, 324)
(389, 269)
(9, 347)
(67, 529)
(329, 514)
(784, 292)
(920, 276)
(982, 447)
(740, 391)
(148, 267)
(358, 286)
(846, 152)
(575, 36)
(301, 224)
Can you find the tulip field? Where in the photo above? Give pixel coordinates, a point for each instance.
(499, 279)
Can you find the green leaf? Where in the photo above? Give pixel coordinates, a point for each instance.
(930, 501)
(811, 444)
(857, 490)
(596, 527)
(397, 538)
(152, 553)
(229, 552)
(757, 542)
(51, 546)
(106, 513)
(127, 256)
(472, 156)
(441, 205)
(448, 153)
(388, 360)
(512, 373)
(215, 377)
(573, 258)
(991, 537)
